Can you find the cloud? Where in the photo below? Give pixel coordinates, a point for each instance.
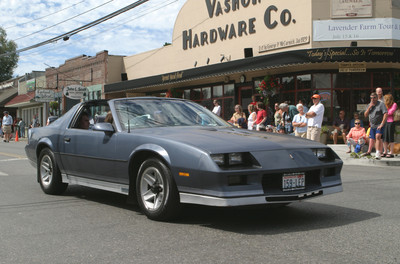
(140, 29)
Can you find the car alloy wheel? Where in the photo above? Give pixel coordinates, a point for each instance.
(152, 189)
(156, 190)
(48, 173)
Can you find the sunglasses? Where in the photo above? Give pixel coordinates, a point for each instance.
(357, 123)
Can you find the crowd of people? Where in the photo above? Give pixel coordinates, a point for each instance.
(301, 121)
(298, 120)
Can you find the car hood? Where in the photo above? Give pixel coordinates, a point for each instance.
(225, 140)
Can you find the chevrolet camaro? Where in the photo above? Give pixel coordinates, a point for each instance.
(164, 152)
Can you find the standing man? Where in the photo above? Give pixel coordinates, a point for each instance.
(217, 108)
(379, 93)
(377, 114)
(315, 117)
(7, 122)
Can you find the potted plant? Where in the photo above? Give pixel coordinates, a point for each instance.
(324, 134)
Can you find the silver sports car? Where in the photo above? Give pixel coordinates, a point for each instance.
(167, 152)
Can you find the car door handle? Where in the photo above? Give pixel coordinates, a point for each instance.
(67, 140)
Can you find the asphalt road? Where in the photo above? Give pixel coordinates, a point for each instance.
(360, 225)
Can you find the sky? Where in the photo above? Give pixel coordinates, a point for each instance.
(140, 29)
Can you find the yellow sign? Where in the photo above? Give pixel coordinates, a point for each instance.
(352, 67)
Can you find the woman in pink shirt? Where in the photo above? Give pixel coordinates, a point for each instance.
(356, 135)
(388, 138)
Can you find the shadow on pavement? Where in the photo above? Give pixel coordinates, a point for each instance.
(296, 217)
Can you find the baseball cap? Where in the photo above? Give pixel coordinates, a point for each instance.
(316, 96)
(5, 112)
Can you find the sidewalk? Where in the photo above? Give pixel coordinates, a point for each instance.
(341, 149)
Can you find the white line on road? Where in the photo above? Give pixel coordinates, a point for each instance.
(13, 159)
(3, 174)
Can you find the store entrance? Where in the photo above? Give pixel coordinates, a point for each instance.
(245, 93)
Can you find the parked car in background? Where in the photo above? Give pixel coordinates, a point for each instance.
(166, 152)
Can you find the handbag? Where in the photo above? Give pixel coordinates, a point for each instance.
(396, 116)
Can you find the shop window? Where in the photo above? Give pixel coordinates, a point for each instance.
(196, 94)
(305, 96)
(352, 80)
(228, 108)
(303, 82)
(229, 90)
(288, 83)
(381, 79)
(186, 94)
(322, 81)
(217, 91)
(206, 93)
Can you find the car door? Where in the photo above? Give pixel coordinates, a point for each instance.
(92, 154)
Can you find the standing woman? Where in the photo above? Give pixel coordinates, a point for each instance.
(277, 115)
(252, 116)
(388, 139)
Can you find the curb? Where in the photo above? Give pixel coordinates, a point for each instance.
(341, 149)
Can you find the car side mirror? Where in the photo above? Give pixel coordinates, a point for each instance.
(105, 127)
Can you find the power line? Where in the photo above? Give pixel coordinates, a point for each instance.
(118, 24)
(33, 33)
(39, 18)
(67, 35)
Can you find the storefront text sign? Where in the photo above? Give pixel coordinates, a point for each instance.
(352, 67)
(359, 29)
(172, 77)
(337, 54)
(284, 44)
(75, 92)
(351, 8)
(273, 16)
(44, 95)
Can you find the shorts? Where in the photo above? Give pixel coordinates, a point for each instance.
(7, 129)
(374, 131)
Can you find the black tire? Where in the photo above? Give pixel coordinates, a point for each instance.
(156, 191)
(49, 174)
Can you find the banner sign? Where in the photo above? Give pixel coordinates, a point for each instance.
(44, 95)
(30, 85)
(360, 29)
(351, 8)
(75, 92)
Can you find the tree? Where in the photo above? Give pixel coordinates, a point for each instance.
(8, 56)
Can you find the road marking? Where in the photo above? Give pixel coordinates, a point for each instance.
(12, 155)
(13, 159)
(3, 174)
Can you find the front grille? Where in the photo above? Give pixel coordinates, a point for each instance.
(272, 183)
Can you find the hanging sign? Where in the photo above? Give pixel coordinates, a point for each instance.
(75, 92)
(44, 95)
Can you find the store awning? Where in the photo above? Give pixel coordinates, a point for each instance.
(21, 100)
(277, 60)
(7, 94)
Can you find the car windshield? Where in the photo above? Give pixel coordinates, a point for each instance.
(145, 113)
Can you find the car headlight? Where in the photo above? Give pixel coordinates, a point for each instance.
(321, 154)
(229, 159)
(235, 160)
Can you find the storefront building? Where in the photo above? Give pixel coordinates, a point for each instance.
(25, 103)
(91, 72)
(8, 90)
(221, 50)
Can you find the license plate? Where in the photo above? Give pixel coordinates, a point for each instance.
(293, 181)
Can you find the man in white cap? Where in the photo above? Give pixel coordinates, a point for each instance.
(7, 122)
(315, 117)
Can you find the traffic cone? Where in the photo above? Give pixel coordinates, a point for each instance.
(16, 136)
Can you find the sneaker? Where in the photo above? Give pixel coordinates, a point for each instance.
(378, 155)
